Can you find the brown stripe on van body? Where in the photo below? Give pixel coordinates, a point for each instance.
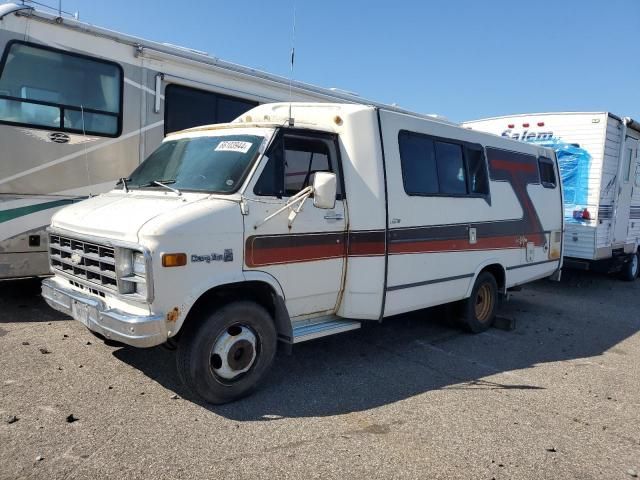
(306, 247)
(489, 236)
(294, 248)
(261, 250)
(519, 170)
(366, 243)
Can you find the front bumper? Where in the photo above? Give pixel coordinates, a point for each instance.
(135, 330)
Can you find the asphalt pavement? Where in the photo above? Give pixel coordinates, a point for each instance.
(558, 397)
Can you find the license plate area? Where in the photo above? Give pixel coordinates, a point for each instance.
(80, 312)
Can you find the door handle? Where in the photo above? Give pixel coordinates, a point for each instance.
(333, 216)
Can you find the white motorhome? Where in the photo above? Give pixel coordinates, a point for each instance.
(598, 159)
(298, 221)
(82, 106)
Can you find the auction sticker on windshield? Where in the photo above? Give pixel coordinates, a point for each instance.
(233, 146)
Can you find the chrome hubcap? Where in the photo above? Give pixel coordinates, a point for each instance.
(234, 352)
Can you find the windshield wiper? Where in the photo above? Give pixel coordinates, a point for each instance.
(123, 181)
(163, 183)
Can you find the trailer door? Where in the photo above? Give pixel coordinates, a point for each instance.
(625, 190)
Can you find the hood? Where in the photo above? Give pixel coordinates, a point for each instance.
(119, 215)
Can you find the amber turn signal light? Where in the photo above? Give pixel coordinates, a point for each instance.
(174, 259)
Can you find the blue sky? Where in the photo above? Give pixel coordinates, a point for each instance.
(464, 59)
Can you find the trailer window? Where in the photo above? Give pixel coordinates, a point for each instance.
(187, 107)
(442, 166)
(42, 87)
(547, 173)
(418, 159)
(627, 164)
(451, 177)
(477, 170)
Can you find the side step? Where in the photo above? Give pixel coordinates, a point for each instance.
(323, 326)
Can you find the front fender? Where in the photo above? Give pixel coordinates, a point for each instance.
(180, 313)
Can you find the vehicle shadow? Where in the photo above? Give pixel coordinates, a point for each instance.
(20, 301)
(422, 351)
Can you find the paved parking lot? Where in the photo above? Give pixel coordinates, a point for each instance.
(414, 397)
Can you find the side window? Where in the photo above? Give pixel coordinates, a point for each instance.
(293, 160)
(418, 160)
(628, 155)
(547, 173)
(450, 168)
(187, 107)
(302, 158)
(477, 170)
(270, 182)
(47, 88)
(435, 166)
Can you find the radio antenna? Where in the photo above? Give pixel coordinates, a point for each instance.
(293, 57)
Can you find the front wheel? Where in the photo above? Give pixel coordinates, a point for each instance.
(479, 310)
(630, 269)
(226, 356)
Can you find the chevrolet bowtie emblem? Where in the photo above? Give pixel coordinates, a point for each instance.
(76, 258)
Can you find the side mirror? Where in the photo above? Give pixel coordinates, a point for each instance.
(325, 186)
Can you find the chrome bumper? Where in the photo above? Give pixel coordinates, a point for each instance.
(138, 331)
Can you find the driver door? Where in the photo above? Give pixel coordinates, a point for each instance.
(306, 255)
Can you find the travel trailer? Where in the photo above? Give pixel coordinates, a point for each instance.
(598, 158)
(82, 106)
(298, 221)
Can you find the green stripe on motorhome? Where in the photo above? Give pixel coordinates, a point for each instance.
(14, 213)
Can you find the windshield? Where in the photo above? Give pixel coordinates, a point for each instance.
(206, 164)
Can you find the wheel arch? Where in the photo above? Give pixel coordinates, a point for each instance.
(258, 287)
(496, 269)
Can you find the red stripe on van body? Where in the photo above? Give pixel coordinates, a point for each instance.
(513, 167)
(456, 245)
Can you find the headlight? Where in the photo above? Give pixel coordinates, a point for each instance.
(139, 264)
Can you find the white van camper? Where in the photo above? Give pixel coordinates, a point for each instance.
(82, 106)
(277, 227)
(598, 160)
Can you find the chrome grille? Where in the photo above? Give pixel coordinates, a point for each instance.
(86, 261)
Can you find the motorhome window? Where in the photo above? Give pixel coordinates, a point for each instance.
(627, 164)
(439, 166)
(547, 173)
(450, 163)
(419, 171)
(47, 88)
(216, 164)
(187, 107)
(292, 165)
(477, 170)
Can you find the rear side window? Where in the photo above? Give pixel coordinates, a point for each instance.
(477, 168)
(547, 173)
(438, 166)
(451, 177)
(52, 89)
(418, 158)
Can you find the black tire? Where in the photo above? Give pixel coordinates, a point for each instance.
(198, 362)
(630, 269)
(479, 310)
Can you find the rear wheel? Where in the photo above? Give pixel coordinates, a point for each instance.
(630, 269)
(226, 356)
(479, 310)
